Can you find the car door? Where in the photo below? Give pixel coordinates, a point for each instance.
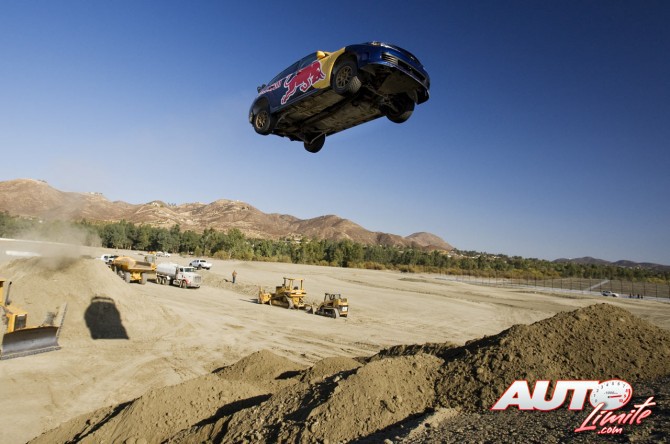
(300, 83)
(275, 89)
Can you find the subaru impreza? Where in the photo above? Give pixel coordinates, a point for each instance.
(327, 92)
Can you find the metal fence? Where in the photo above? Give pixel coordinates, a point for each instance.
(625, 289)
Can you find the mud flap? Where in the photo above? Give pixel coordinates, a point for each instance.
(29, 341)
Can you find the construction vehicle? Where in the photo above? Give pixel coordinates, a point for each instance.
(290, 294)
(132, 270)
(333, 305)
(174, 274)
(19, 339)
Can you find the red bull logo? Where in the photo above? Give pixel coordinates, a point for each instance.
(303, 80)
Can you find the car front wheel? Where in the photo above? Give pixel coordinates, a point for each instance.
(264, 121)
(344, 78)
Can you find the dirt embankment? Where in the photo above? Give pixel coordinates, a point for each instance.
(267, 398)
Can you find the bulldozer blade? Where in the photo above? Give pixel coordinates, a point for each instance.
(29, 341)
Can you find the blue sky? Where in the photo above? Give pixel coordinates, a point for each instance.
(546, 134)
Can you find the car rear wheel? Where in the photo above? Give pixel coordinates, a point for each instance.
(264, 122)
(344, 78)
(402, 109)
(315, 145)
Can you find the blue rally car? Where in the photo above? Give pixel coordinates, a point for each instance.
(327, 92)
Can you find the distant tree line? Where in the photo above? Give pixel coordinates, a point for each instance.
(233, 244)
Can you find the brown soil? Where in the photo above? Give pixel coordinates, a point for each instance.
(265, 398)
(150, 363)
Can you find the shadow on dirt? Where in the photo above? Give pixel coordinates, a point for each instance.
(104, 320)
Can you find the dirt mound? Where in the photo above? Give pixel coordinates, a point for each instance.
(157, 415)
(163, 413)
(42, 284)
(346, 406)
(216, 280)
(261, 367)
(435, 348)
(598, 342)
(99, 304)
(328, 367)
(267, 398)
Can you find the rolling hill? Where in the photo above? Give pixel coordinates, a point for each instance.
(37, 199)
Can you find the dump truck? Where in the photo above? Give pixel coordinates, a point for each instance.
(333, 305)
(132, 270)
(175, 274)
(290, 294)
(18, 339)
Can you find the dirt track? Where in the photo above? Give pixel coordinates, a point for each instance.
(175, 335)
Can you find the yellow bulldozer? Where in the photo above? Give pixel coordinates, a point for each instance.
(132, 270)
(290, 294)
(18, 338)
(333, 305)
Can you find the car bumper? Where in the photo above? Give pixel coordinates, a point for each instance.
(395, 58)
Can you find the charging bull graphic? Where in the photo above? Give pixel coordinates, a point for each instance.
(304, 80)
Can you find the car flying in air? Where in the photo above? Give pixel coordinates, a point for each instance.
(327, 92)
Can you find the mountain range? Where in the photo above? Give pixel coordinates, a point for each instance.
(37, 199)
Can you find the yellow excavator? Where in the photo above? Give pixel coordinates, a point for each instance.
(18, 338)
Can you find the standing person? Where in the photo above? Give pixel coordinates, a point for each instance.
(234, 276)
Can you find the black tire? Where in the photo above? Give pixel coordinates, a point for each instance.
(404, 107)
(126, 277)
(263, 121)
(143, 281)
(183, 284)
(344, 78)
(315, 145)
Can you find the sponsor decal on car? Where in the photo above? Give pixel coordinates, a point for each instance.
(606, 397)
(303, 80)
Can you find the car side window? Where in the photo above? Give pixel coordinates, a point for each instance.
(307, 60)
(291, 69)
